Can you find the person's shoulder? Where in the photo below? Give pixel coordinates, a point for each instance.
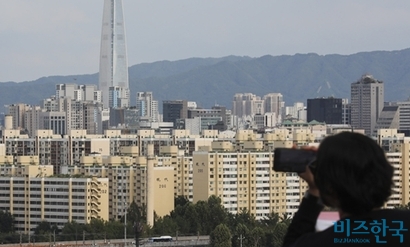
(391, 213)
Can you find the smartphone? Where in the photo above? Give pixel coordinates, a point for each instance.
(292, 160)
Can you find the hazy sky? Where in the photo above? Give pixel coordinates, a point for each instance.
(48, 37)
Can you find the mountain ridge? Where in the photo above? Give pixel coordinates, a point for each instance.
(209, 80)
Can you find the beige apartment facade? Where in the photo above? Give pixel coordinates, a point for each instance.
(238, 169)
(397, 148)
(128, 181)
(31, 195)
(245, 181)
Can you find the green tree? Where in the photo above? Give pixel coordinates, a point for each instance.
(191, 217)
(43, 232)
(221, 236)
(275, 236)
(403, 207)
(271, 220)
(10, 237)
(114, 230)
(164, 226)
(95, 229)
(217, 213)
(245, 217)
(136, 213)
(275, 227)
(180, 201)
(241, 235)
(72, 231)
(204, 218)
(7, 222)
(257, 236)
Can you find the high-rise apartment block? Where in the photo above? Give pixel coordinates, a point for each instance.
(237, 167)
(397, 148)
(128, 181)
(248, 109)
(147, 106)
(32, 194)
(32, 119)
(247, 104)
(367, 101)
(297, 111)
(78, 107)
(242, 175)
(78, 92)
(118, 97)
(328, 110)
(73, 107)
(17, 111)
(274, 104)
(113, 56)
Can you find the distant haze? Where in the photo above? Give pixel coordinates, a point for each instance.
(48, 37)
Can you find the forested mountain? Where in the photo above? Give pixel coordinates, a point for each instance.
(215, 80)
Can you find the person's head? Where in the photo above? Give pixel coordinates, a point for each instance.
(352, 173)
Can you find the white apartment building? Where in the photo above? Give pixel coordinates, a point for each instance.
(147, 106)
(78, 92)
(296, 111)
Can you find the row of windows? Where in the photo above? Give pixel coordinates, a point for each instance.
(56, 217)
(56, 210)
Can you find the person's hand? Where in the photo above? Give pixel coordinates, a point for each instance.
(308, 176)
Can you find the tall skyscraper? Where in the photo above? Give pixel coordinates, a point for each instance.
(367, 96)
(113, 54)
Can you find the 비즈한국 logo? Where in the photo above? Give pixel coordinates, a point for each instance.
(361, 231)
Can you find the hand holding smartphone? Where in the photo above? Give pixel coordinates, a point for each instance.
(292, 160)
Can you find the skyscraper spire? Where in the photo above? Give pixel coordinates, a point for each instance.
(113, 76)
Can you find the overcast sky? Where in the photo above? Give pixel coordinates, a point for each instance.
(48, 37)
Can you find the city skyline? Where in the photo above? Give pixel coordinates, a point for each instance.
(42, 38)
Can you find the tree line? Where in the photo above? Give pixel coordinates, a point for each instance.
(187, 219)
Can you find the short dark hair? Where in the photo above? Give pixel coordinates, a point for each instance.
(353, 169)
